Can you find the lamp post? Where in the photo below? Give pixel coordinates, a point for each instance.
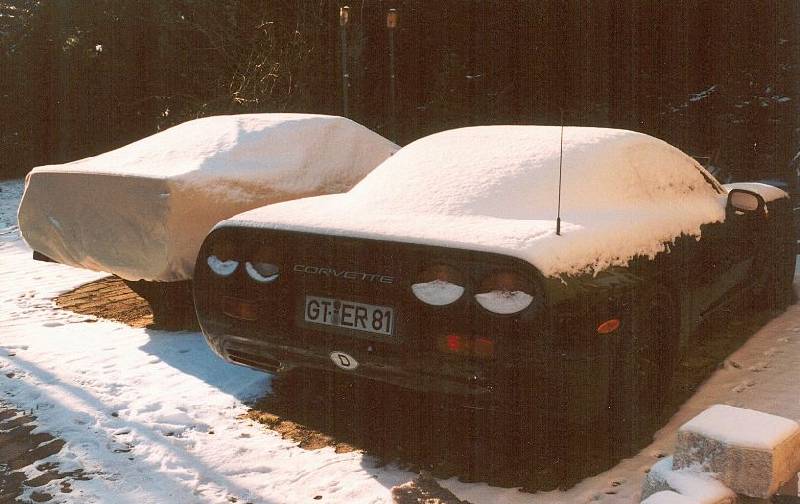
(391, 25)
(344, 15)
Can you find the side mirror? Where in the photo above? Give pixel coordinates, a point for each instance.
(745, 202)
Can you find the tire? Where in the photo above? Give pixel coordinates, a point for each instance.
(642, 383)
(170, 302)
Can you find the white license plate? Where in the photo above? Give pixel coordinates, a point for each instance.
(350, 315)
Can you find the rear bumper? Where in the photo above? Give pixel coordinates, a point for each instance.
(427, 375)
(573, 391)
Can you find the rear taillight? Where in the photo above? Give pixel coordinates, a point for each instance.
(220, 267)
(439, 285)
(505, 293)
(467, 346)
(220, 260)
(262, 272)
(264, 265)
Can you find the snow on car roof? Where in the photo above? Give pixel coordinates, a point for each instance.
(234, 146)
(495, 188)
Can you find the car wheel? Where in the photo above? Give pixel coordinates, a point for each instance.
(641, 386)
(170, 302)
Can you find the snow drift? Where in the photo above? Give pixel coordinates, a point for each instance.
(142, 211)
(495, 188)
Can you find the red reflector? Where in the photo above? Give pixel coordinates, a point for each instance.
(239, 308)
(454, 343)
(463, 345)
(608, 326)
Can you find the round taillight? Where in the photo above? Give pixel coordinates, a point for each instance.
(439, 285)
(221, 258)
(220, 267)
(264, 264)
(262, 272)
(504, 293)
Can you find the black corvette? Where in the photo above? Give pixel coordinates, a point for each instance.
(470, 292)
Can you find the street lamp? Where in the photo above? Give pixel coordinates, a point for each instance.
(391, 25)
(344, 17)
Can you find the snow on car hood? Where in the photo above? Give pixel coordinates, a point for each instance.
(495, 188)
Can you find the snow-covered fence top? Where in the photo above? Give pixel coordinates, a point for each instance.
(142, 211)
(495, 188)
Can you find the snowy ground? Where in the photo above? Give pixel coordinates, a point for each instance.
(151, 416)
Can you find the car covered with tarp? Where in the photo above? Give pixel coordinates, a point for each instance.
(142, 211)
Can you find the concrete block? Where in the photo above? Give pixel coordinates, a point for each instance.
(752, 453)
(699, 487)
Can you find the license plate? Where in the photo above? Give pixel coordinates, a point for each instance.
(350, 315)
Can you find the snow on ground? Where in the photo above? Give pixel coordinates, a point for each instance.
(702, 487)
(105, 388)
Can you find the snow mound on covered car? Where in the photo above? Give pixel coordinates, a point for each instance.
(495, 188)
(142, 211)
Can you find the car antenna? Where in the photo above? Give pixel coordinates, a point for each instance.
(560, 158)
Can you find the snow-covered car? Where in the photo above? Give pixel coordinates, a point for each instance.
(442, 271)
(142, 211)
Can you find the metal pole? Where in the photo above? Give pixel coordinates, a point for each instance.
(344, 14)
(391, 24)
(560, 159)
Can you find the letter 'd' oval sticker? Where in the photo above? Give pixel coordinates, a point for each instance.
(344, 361)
